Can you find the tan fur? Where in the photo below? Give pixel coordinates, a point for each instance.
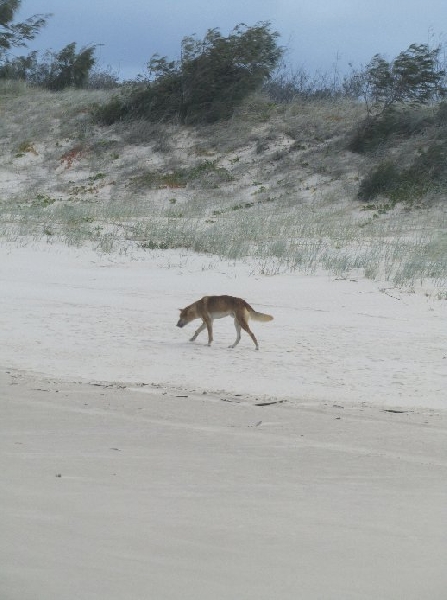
(217, 307)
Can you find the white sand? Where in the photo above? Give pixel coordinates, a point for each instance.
(166, 492)
(71, 314)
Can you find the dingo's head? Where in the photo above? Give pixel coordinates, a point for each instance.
(187, 315)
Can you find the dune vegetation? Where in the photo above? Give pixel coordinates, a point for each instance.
(293, 174)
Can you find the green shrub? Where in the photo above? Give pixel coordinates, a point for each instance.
(380, 181)
(428, 170)
(430, 166)
(392, 124)
(110, 113)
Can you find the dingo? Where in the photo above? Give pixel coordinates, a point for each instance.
(217, 307)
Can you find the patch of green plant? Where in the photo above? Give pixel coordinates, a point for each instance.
(380, 208)
(97, 176)
(167, 244)
(25, 147)
(209, 166)
(261, 190)
(207, 171)
(92, 187)
(43, 200)
(152, 245)
(242, 205)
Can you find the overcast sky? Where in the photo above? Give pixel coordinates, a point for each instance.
(317, 33)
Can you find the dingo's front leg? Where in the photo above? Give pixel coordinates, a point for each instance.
(209, 325)
(199, 330)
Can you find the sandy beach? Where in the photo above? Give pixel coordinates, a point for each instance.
(138, 465)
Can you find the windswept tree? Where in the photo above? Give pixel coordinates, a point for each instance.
(414, 76)
(67, 68)
(209, 81)
(13, 34)
(55, 70)
(218, 72)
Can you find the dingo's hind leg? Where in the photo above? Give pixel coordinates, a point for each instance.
(240, 322)
(245, 327)
(251, 334)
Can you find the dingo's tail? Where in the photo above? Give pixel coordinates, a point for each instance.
(258, 316)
